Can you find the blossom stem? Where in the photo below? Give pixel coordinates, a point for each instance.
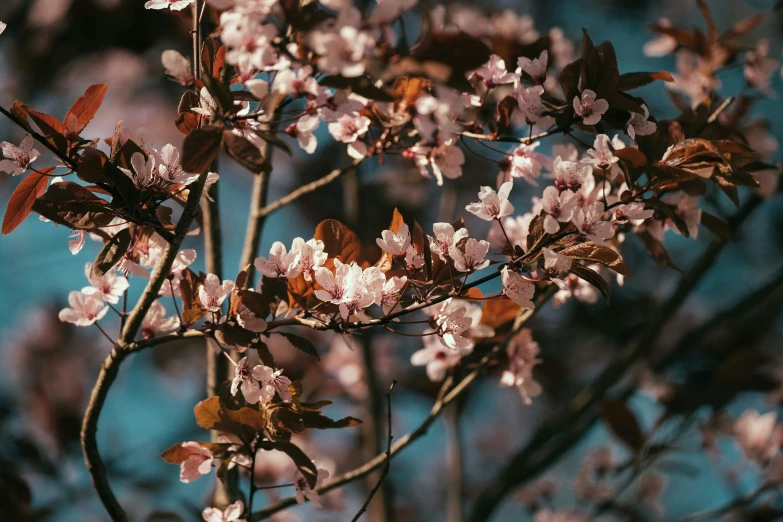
(503, 229)
(107, 336)
(176, 307)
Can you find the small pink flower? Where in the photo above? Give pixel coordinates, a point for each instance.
(471, 257)
(212, 293)
(281, 263)
(588, 221)
(178, 67)
(556, 265)
(589, 108)
(231, 514)
(445, 238)
(517, 288)
(436, 357)
(395, 243)
(559, 207)
(85, 308)
(350, 129)
(198, 463)
(493, 205)
(535, 68)
(529, 101)
(639, 124)
(155, 321)
(109, 286)
(303, 489)
(18, 159)
(493, 73)
(601, 155)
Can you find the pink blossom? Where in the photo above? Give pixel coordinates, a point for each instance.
(109, 286)
(231, 513)
(759, 67)
(446, 160)
(588, 221)
(395, 243)
(589, 108)
(639, 124)
(85, 308)
(758, 435)
(303, 489)
(174, 5)
(522, 353)
(535, 68)
(517, 288)
(198, 462)
(303, 130)
(391, 293)
(247, 377)
(155, 322)
(471, 257)
(349, 129)
(556, 265)
(18, 159)
(516, 228)
(281, 263)
(308, 256)
(559, 207)
(529, 101)
(436, 357)
(493, 205)
(341, 51)
(601, 155)
(492, 73)
(523, 163)
(445, 238)
(212, 293)
(413, 259)
(178, 67)
(569, 174)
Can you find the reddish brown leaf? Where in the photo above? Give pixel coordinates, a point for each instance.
(632, 155)
(85, 108)
(200, 148)
(21, 201)
(339, 241)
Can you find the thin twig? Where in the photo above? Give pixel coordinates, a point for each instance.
(446, 395)
(306, 189)
(387, 464)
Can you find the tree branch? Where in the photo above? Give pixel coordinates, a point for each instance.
(306, 189)
(387, 464)
(563, 428)
(445, 397)
(255, 222)
(40, 139)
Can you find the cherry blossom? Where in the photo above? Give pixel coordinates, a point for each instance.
(559, 207)
(589, 108)
(155, 322)
(77, 241)
(108, 287)
(445, 238)
(413, 259)
(231, 513)
(349, 129)
(517, 288)
(281, 263)
(85, 309)
(178, 67)
(635, 212)
(570, 286)
(197, 464)
(174, 5)
(556, 265)
(662, 44)
(436, 357)
(523, 163)
(395, 243)
(493, 205)
(759, 67)
(307, 257)
(691, 79)
(445, 159)
(589, 483)
(341, 51)
(303, 130)
(535, 68)
(248, 41)
(522, 353)
(758, 435)
(569, 174)
(601, 155)
(529, 101)
(492, 73)
(471, 257)
(588, 221)
(296, 82)
(350, 287)
(640, 124)
(303, 489)
(212, 293)
(247, 377)
(452, 325)
(391, 293)
(207, 104)
(18, 159)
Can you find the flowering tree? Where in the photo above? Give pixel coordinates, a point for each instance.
(264, 75)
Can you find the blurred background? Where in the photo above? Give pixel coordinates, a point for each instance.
(53, 49)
